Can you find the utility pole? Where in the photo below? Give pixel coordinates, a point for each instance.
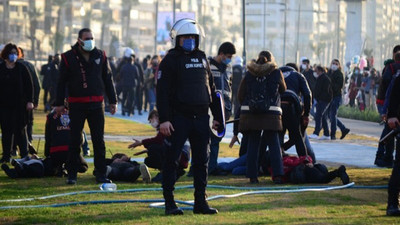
(284, 36)
(173, 11)
(298, 34)
(155, 28)
(244, 30)
(338, 32)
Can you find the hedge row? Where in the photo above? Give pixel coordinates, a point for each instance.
(355, 113)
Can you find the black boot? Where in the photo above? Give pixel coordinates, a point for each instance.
(343, 175)
(201, 205)
(393, 203)
(170, 205)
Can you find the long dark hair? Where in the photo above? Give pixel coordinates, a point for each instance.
(7, 49)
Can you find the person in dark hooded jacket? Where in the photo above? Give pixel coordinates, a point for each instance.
(261, 114)
(296, 104)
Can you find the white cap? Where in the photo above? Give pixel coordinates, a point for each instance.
(128, 52)
(303, 58)
(238, 60)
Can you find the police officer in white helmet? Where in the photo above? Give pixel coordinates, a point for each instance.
(185, 91)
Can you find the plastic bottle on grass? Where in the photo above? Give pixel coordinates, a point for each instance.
(108, 187)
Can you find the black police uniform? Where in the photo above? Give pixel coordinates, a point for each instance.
(185, 91)
(394, 182)
(86, 82)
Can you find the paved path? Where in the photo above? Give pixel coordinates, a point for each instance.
(352, 153)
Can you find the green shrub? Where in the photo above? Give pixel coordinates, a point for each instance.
(355, 113)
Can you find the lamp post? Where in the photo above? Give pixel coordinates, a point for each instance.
(244, 31)
(284, 34)
(264, 15)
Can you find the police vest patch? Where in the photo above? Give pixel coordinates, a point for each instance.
(64, 120)
(159, 75)
(97, 61)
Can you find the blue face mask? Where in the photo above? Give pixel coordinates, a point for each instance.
(88, 45)
(12, 57)
(189, 44)
(226, 61)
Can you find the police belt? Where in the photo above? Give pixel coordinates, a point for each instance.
(271, 108)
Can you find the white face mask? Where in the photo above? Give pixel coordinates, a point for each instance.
(315, 74)
(154, 123)
(303, 66)
(88, 45)
(334, 67)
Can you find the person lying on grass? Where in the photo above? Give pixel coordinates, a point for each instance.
(155, 149)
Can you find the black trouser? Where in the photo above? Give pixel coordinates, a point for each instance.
(45, 97)
(95, 118)
(139, 98)
(57, 164)
(124, 171)
(291, 122)
(319, 174)
(146, 98)
(394, 181)
(155, 156)
(11, 132)
(197, 130)
(29, 126)
(128, 95)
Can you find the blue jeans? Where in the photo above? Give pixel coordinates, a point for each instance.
(151, 98)
(272, 140)
(321, 118)
(237, 166)
(333, 111)
(214, 150)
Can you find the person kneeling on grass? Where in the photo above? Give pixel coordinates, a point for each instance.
(300, 170)
(155, 149)
(33, 166)
(121, 168)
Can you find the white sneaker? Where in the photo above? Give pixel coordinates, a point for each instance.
(313, 136)
(323, 137)
(144, 171)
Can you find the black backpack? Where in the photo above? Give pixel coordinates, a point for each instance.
(259, 100)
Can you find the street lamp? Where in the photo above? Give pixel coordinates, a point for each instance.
(284, 31)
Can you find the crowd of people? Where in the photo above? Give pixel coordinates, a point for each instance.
(183, 91)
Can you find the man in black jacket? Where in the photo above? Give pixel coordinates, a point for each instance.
(185, 91)
(85, 71)
(393, 115)
(294, 112)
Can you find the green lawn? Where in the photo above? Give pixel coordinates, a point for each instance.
(348, 206)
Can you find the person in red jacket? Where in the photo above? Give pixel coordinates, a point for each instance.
(155, 149)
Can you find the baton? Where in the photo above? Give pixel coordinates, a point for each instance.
(389, 135)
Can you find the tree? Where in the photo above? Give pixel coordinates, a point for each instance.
(126, 12)
(6, 20)
(235, 29)
(33, 13)
(59, 35)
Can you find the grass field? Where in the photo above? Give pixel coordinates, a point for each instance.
(347, 206)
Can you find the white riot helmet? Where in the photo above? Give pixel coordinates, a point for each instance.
(129, 52)
(185, 27)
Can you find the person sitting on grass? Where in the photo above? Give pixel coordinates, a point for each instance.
(32, 166)
(57, 138)
(155, 149)
(121, 168)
